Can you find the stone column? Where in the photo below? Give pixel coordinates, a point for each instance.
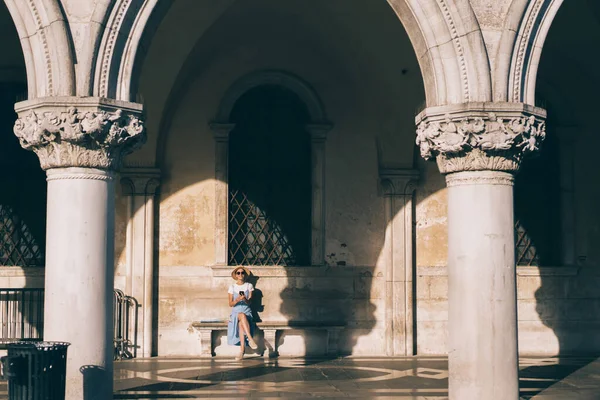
(479, 148)
(566, 137)
(221, 133)
(398, 186)
(318, 138)
(80, 143)
(140, 185)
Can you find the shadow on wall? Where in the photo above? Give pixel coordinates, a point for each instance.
(568, 299)
(270, 222)
(344, 298)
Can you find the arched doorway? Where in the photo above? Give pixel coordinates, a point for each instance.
(269, 180)
(368, 79)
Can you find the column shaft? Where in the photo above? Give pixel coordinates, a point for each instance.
(482, 321)
(140, 185)
(79, 277)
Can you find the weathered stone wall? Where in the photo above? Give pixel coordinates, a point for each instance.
(372, 129)
(354, 235)
(558, 310)
(557, 304)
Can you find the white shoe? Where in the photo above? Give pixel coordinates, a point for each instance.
(252, 344)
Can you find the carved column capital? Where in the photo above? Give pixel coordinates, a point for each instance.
(88, 132)
(140, 181)
(318, 132)
(221, 130)
(480, 136)
(398, 182)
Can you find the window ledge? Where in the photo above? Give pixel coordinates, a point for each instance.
(521, 271)
(10, 271)
(548, 271)
(298, 271)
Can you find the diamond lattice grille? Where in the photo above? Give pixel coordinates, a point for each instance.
(525, 251)
(254, 239)
(17, 245)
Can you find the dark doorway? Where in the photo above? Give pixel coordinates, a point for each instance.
(269, 179)
(537, 205)
(23, 193)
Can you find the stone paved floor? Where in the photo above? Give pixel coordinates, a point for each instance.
(365, 378)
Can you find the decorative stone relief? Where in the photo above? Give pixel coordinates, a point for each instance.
(140, 181)
(480, 178)
(488, 142)
(398, 182)
(42, 33)
(92, 137)
(529, 27)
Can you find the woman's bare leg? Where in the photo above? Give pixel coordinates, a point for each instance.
(244, 323)
(243, 320)
(242, 341)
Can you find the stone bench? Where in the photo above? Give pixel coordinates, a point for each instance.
(271, 330)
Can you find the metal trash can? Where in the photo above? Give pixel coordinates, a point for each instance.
(35, 370)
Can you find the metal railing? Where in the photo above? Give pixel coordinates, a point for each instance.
(125, 325)
(21, 314)
(22, 317)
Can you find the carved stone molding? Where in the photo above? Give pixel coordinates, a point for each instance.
(480, 178)
(221, 131)
(42, 34)
(456, 41)
(480, 136)
(79, 132)
(140, 181)
(398, 182)
(57, 174)
(318, 132)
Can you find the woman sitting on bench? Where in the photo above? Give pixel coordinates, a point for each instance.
(240, 320)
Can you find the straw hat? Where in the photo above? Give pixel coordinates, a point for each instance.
(240, 267)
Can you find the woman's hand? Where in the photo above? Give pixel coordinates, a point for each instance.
(243, 298)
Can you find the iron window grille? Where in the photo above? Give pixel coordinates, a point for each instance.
(269, 180)
(525, 251)
(254, 239)
(18, 247)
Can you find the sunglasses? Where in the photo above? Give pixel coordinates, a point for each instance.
(240, 273)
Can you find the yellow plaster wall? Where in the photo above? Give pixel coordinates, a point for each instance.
(357, 72)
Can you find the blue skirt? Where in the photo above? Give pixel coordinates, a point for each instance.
(233, 330)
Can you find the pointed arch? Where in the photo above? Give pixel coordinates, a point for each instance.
(295, 84)
(449, 45)
(520, 49)
(46, 44)
(445, 36)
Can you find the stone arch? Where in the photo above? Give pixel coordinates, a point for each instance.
(446, 38)
(317, 128)
(450, 48)
(46, 47)
(118, 48)
(295, 84)
(520, 49)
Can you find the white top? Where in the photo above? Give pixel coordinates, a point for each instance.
(235, 288)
